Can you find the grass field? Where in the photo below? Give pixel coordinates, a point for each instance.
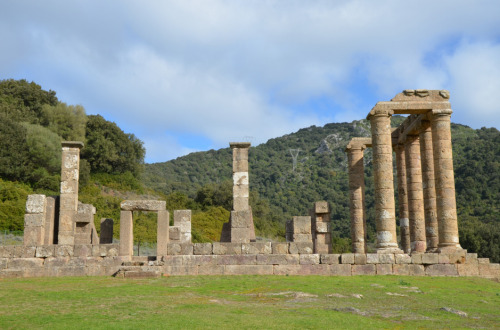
(257, 302)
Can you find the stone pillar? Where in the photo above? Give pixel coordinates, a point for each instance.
(126, 234)
(70, 171)
(162, 237)
(356, 197)
(321, 228)
(431, 224)
(34, 220)
(404, 222)
(301, 229)
(241, 226)
(385, 213)
(106, 235)
(445, 181)
(241, 190)
(182, 219)
(50, 218)
(84, 222)
(415, 194)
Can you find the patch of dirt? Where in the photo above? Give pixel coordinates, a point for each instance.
(454, 311)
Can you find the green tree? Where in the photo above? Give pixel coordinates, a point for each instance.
(109, 150)
(68, 121)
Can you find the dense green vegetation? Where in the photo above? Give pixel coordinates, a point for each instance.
(250, 302)
(33, 122)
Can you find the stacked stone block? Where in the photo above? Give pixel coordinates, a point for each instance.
(240, 227)
(321, 227)
(299, 229)
(34, 220)
(70, 169)
(85, 232)
(182, 219)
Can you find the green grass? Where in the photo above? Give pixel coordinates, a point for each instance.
(221, 302)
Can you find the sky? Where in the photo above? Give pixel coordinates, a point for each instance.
(186, 76)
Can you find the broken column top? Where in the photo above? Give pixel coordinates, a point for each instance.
(359, 143)
(422, 95)
(72, 144)
(239, 145)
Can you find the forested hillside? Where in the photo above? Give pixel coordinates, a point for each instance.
(287, 174)
(320, 173)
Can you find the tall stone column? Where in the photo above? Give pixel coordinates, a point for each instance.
(415, 194)
(240, 226)
(385, 213)
(404, 222)
(70, 171)
(445, 181)
(431, 224)
(356, 197)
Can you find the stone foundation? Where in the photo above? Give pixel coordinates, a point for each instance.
(232, 259)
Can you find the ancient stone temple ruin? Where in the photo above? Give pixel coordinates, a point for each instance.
(60, 238)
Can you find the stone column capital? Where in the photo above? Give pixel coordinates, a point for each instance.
(243, 145)
(380, 112)
(441, 112)
(72, 144)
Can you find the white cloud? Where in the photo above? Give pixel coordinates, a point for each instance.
(223, 69)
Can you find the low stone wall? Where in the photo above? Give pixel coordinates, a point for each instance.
(233, 259)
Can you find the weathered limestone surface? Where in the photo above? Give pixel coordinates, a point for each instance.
(143, 205)
(126, 233)
(357, 195)
(429, 186)
(162, 232)
(321, 227)
(385, 217)
(182, 219)
(404, 222)
(445, 181)
(415, 194)
(68, 205)
(299, 229)
(34, 220)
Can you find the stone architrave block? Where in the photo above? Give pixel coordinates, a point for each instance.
(321, 207)
(302, 225)
(36, 203)
(143, 205)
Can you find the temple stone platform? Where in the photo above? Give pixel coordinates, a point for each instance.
(233, 259)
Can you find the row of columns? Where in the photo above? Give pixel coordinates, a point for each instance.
(426, 186)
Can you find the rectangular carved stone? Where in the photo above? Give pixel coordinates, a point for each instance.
(50, 218)
(211, 270)
(202, 248)
(309, 259)
(226, 248)
(300, 248)
(174, 234)
(126, 233)
(182, 219)
(441, 270)
(36, 203)
(237, 259)
(44, 251)
(340, 270)
(302, 225)
(330, 259)
(403, 258)
(256, 248)
(416, 258)
(347, 258)
(143, 205)
(384, 269)
(280, 248)
(372, 258)
(302, 238)
(386, 258)
(360, 258)
(321, 207)
(430, 258)
(468, 269)
(323, 227)
(162, 232)
(364, 270)
(248, 270)
(401, 269)
(278, 259)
